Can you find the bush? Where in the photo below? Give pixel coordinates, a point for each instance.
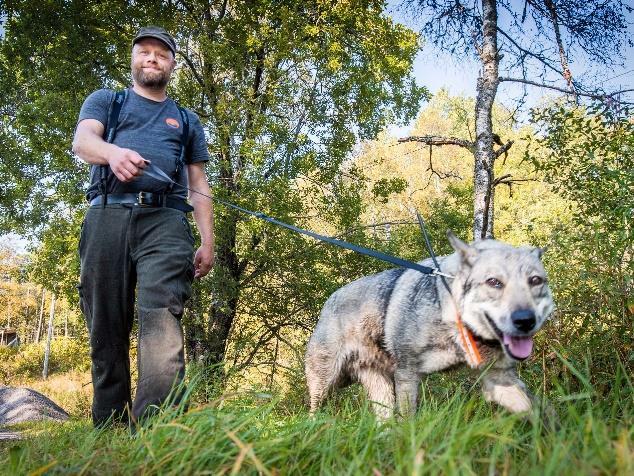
(27, 361)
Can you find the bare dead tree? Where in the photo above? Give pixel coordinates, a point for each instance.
(528, 45)
(38, 331)
(49, 338)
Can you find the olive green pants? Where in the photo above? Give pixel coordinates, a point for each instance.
(124, 248)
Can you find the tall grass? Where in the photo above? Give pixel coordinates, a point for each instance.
(454, 432)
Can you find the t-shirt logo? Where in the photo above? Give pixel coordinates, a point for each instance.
(170, 121)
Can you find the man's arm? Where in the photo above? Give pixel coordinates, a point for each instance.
(89, 146)
(204, 217)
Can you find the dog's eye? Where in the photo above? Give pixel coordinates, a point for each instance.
(494, 283)
(535, 280)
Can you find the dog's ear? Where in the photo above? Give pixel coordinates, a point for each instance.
(467, 253)
(539, 252)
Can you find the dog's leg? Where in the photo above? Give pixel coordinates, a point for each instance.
(380, 390)
(317, 390)
(503, 386)
(318, 386)
(323, 369)
(406, 385)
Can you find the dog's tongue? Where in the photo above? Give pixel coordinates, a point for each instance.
(520, 347)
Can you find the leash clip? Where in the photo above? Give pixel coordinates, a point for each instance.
(436, 272)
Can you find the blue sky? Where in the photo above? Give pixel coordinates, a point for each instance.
(437, 69)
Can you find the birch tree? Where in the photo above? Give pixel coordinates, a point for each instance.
(530, 43)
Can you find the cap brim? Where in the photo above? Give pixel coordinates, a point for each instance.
(156, 37)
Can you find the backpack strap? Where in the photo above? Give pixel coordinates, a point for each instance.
(109, 133)
(180, 162)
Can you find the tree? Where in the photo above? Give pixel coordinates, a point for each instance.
(403, 179)
(562, 27)
(587, 155)
(18, 298)
(284, 90)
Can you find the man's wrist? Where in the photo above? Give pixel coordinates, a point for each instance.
(110, 151)
(207, 244)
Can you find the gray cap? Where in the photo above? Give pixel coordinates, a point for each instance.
(158, 33)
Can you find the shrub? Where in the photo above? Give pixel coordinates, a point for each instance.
(26, 361)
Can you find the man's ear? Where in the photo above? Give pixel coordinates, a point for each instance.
(467, 253)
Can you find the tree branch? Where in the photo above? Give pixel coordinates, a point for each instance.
(504, 149)
(526, 52)
(440, 175)
(439, 140)
(566, 91)
(560, 45)
(192, 68)
(509, 181)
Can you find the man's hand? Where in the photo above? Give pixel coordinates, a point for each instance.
(89, 145)
(203, 261)
(126, 164)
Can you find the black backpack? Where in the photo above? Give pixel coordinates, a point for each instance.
(111, 130)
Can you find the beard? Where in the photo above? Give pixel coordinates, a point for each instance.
(153, 80)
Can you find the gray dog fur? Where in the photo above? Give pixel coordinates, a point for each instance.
(388, 330)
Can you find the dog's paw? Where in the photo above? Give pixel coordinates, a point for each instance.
(511, 397)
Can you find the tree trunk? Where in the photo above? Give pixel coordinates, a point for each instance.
(27, 309)
(484, 155)
(38, 331)
(227, 269)
(223, 307)
(49, 337)
(274, 364)
(194, 328)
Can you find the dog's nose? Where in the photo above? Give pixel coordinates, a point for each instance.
(523, 319)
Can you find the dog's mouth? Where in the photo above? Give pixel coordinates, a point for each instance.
(518, 347)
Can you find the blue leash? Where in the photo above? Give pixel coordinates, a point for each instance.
(161, 176)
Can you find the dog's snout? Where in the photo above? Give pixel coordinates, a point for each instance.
(523, 320)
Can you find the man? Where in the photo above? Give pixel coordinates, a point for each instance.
(136, 234)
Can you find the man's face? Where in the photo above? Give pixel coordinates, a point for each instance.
(152, 63)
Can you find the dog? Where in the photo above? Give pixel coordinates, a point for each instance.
(386, 331)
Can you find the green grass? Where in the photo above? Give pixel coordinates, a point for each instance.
(454, 432)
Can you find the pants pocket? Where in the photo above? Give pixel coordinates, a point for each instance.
(81, 238)
(188, 230)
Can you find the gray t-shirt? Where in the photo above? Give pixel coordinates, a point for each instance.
(153, 129)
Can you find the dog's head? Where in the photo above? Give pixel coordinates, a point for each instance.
(502, 292)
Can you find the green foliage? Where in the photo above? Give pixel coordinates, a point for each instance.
(18, 299)
(383, 188)
(437, 182)
(55, 262)
(454, 432)
(26, 361)
(284, 91)
(586, 154)
(26, 291)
